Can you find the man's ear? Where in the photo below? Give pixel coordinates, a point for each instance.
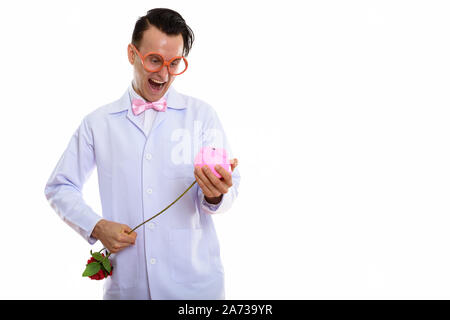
(131, 54)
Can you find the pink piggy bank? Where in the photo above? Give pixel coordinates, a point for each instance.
(211, 156)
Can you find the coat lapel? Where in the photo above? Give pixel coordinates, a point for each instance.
(134, 120)
(160, 117)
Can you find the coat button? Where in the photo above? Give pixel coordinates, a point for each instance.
(149, 191)
(148, 156)
(151, 225)
(152, 261)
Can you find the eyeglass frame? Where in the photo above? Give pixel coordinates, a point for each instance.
(165, 62)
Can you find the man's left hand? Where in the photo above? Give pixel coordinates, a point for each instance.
(214, 188)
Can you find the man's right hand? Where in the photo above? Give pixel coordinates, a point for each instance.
(113, 235)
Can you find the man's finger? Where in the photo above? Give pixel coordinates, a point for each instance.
(198, 176)
(213, 183)
(117, 246)
(204, 188)
(128, 238)
(225, 175)
(212, 190)
(220, 185)
(234, 163)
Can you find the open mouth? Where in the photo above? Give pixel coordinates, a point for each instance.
(156, 85)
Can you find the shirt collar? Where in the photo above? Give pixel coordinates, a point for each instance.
(173, 98)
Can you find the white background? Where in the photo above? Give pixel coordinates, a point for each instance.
(338, 112)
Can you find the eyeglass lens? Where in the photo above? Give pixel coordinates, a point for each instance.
(153, 62)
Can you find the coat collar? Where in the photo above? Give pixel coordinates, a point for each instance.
(173, 98)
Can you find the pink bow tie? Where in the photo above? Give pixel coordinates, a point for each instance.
(138, 106)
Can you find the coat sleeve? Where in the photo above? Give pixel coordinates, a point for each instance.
(213, 135)
(64, 187)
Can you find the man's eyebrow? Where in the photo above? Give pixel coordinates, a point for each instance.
(144, 53)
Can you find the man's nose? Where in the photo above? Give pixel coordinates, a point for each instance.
(164, 73)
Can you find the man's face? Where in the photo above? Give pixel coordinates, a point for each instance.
(154, 40)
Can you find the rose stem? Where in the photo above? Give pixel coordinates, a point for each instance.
(109, 253)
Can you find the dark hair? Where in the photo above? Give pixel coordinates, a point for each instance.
(168, 21)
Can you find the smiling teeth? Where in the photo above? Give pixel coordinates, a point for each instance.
(160, 82)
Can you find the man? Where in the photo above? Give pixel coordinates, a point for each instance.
(144, 156)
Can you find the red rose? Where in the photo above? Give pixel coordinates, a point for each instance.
(101, 274)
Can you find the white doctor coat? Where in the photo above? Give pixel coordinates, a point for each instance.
(176, 255)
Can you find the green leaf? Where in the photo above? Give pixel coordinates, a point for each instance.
(107, 265)
(91, 269)
(98, 256)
